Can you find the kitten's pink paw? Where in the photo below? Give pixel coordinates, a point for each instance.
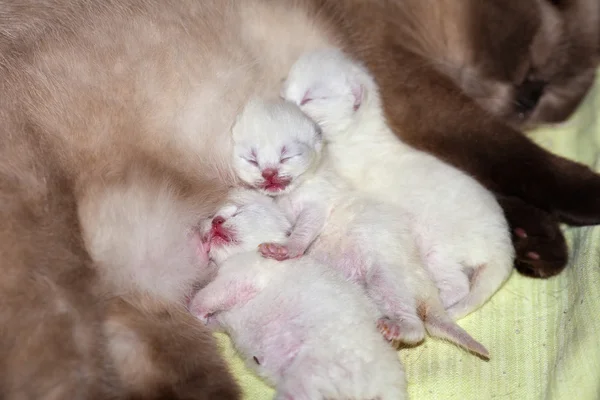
(389, 329)
(401, 331)
(275, 251)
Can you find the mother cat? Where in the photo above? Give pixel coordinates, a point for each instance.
(93, 90)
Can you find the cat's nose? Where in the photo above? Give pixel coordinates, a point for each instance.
(218, 220)
(269, 173)
(528, 95)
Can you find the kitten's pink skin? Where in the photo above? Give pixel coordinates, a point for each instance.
(382, 283)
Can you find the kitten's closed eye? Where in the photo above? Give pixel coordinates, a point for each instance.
(287, 158)
(251, 160)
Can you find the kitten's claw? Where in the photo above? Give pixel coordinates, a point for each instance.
(275, 251)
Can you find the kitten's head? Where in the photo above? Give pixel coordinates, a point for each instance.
(533, 61)
(274, 145)
(330, 88)
(247, 219)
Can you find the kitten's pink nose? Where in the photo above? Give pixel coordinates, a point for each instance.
(218, 220)
(269, 173)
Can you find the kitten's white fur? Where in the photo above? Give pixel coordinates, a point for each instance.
(299, 324)
(367, 240)
(460, 228)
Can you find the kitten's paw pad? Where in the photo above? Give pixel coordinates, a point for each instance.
(401, 331)
(541, 250)
(389, 329)
(275, 251)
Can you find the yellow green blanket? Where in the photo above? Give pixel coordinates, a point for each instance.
(543, 335)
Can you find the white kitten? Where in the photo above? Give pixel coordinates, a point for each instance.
(461, 230)
(299, 324)
(368, 241)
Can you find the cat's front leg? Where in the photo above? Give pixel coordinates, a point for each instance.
(541, 248)
(308, 226)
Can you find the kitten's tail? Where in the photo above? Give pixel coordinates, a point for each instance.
(485, 281)
(439, 324)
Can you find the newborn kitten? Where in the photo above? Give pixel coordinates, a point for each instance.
(460, 228)
(299, 324)
(368, 241)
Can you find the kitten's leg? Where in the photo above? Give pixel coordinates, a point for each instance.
(453, 285)
(309, 223)
(222, 294)
(387, 287)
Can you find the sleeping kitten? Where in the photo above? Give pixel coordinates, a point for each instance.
(277, 149)
(460, 228)
(299, 324)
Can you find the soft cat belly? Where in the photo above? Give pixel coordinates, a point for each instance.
(336, 250)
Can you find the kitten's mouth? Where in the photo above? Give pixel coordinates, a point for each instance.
(275, 186)
(219, 236)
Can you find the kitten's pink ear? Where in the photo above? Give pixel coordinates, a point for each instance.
(306, 98)
(357, 91)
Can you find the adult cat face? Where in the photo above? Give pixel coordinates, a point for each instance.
(533, 61)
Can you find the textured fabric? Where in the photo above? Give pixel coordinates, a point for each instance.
(543, 335)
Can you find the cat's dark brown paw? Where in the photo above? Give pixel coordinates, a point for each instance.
(541, 249)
